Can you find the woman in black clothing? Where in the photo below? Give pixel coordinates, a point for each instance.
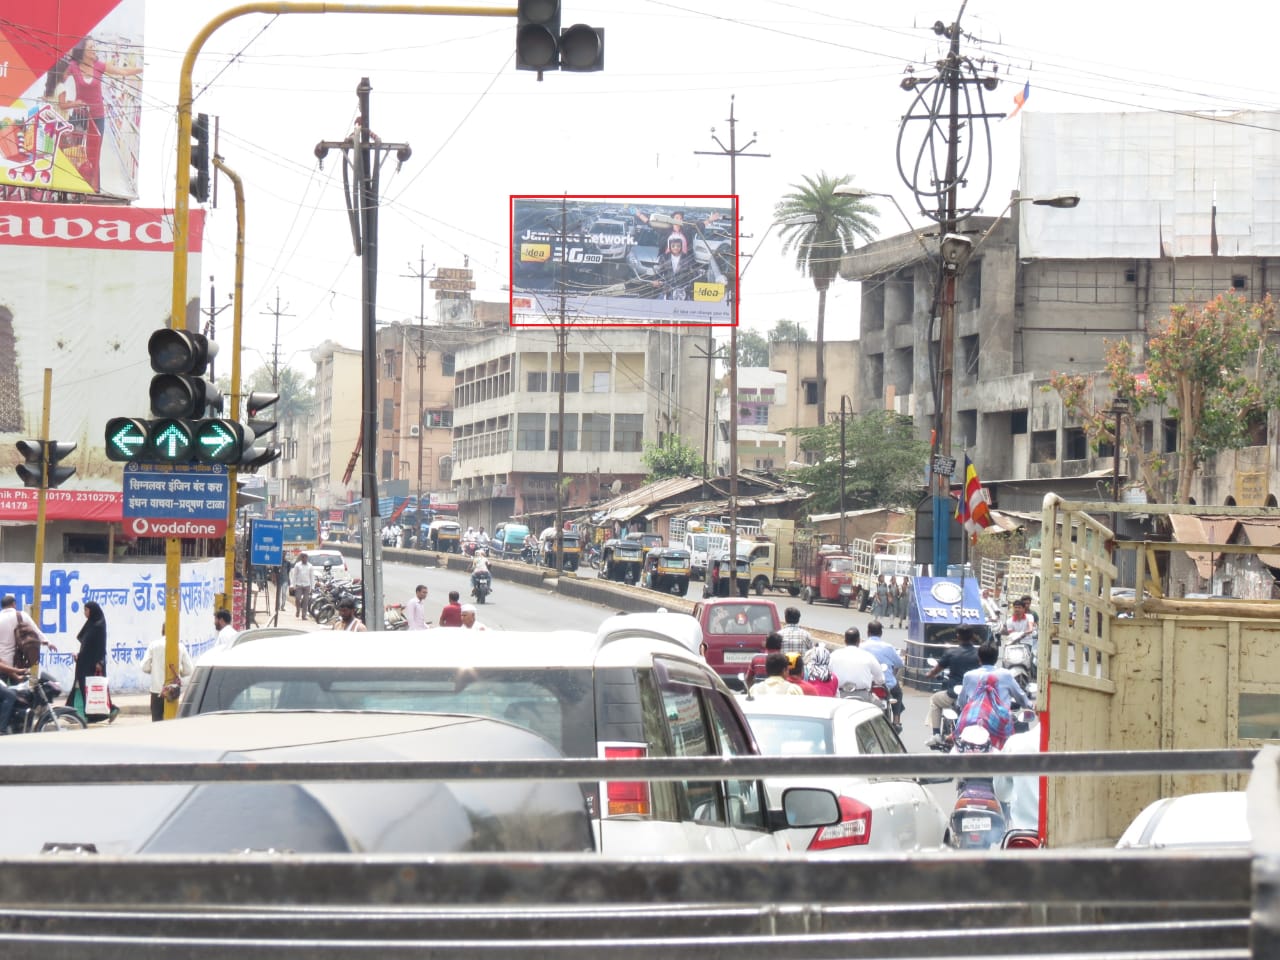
(92, 658)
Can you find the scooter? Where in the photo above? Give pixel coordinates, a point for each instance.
(1018, 656)
(977, 819)
(482, 585)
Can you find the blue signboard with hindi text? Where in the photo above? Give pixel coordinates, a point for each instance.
(266, 542)
(186, 492)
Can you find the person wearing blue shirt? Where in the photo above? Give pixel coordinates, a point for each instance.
(1006, 687)
(891, 660)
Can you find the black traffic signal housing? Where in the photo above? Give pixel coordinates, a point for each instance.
(541, 45)
(200, 157)
(126, 438)
(35, 453)
(217, 440)
(258, 451)
(179, 390)
(171, 440)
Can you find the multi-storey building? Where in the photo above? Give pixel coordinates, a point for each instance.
(622, 388)
(1168, 215)
(335, 424)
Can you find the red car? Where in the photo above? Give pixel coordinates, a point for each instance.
(733, 631)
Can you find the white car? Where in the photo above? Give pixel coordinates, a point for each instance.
(1193, 820)
(635, 688)
(885, 814)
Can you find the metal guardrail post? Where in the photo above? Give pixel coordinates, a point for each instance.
(1264, 826)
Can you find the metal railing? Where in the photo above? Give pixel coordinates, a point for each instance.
(1043, 903)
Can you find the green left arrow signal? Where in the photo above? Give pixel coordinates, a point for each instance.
(126, 438)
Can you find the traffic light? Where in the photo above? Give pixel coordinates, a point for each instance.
(258, 451)
(127, 438)
(200, 157)
(538, 35)
(541, 44)
(34, 454)
(219, 441)
(179, 359)
(171, 441)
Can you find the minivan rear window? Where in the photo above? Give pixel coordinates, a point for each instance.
(556, 704)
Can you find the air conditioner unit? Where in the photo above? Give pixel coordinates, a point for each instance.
(414, 430)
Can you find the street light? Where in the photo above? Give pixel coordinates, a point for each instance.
(857, 193)
(844, 462)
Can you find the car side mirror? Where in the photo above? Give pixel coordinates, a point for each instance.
(804, 807)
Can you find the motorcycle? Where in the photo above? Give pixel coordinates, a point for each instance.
(592, 556)
(878, 695)
(978, 818)
(395, 618)
(482, 585)
(35, 712)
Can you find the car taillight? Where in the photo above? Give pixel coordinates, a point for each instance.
(854, 828)
(624, 797)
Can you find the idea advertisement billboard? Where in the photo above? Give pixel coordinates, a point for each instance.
(70, 98)
(85, 286)
(623, 261)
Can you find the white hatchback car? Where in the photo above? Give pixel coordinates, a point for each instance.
(884, 814)
(1192, 820)
(632, 689)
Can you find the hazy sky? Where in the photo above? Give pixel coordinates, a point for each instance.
(816, 84)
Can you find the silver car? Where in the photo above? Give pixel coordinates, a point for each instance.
(884, 814)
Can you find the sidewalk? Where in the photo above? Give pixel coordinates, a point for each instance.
(139, 704)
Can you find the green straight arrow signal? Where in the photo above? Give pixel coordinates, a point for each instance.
(128, 440)
(171, 442)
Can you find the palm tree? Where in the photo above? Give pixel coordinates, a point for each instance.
(826, 226)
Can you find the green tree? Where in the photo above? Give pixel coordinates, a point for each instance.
(788, 331)
(753, 349)
(671, 458)
(823, 227)
(884, 462)
(1214, 367)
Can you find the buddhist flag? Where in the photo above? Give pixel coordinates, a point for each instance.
(1020, 99)
(972, 510)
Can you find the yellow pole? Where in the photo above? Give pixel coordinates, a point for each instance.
(41, 500)
(225, 598)
(182, 218)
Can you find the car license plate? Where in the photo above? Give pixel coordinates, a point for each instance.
(975, 824)
(743, 656)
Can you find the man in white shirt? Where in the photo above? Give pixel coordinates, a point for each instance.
(301, 579)
(9, 617)
(854, 667)
(415, 610)
(775, 682)
(469, 621)
(153, 662)
(226, 633)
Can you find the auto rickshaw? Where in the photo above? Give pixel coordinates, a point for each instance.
(647, 541)
(572, 549)
(717, 584)
(939, 607)
(620, 560)
(667, 569)
(829, 576)
(445, 536)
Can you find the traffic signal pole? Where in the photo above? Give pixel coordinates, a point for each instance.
(226, 598)
(41, 501)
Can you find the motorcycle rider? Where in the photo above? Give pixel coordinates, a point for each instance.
(956, 662)
(479, 565)
(891, 660)
(855, 669)
(1006, 688)
(1019, 627)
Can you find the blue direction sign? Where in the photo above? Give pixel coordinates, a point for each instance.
(301, 524)
(266, 542)
(177, 493)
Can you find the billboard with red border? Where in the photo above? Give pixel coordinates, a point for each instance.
(624, 261)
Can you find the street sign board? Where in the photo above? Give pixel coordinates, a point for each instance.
(301, 525)
(176, 492)
(266, 542)
(943, 465)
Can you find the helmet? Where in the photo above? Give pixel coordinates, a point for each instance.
(974, 738)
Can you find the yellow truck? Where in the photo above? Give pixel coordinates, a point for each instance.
(772, 556)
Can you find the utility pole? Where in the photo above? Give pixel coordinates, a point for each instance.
(363, 154)
(422, 277)
(941, 186)
(210, 328)
(562, 343)
(275, 366)
(733, 152)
